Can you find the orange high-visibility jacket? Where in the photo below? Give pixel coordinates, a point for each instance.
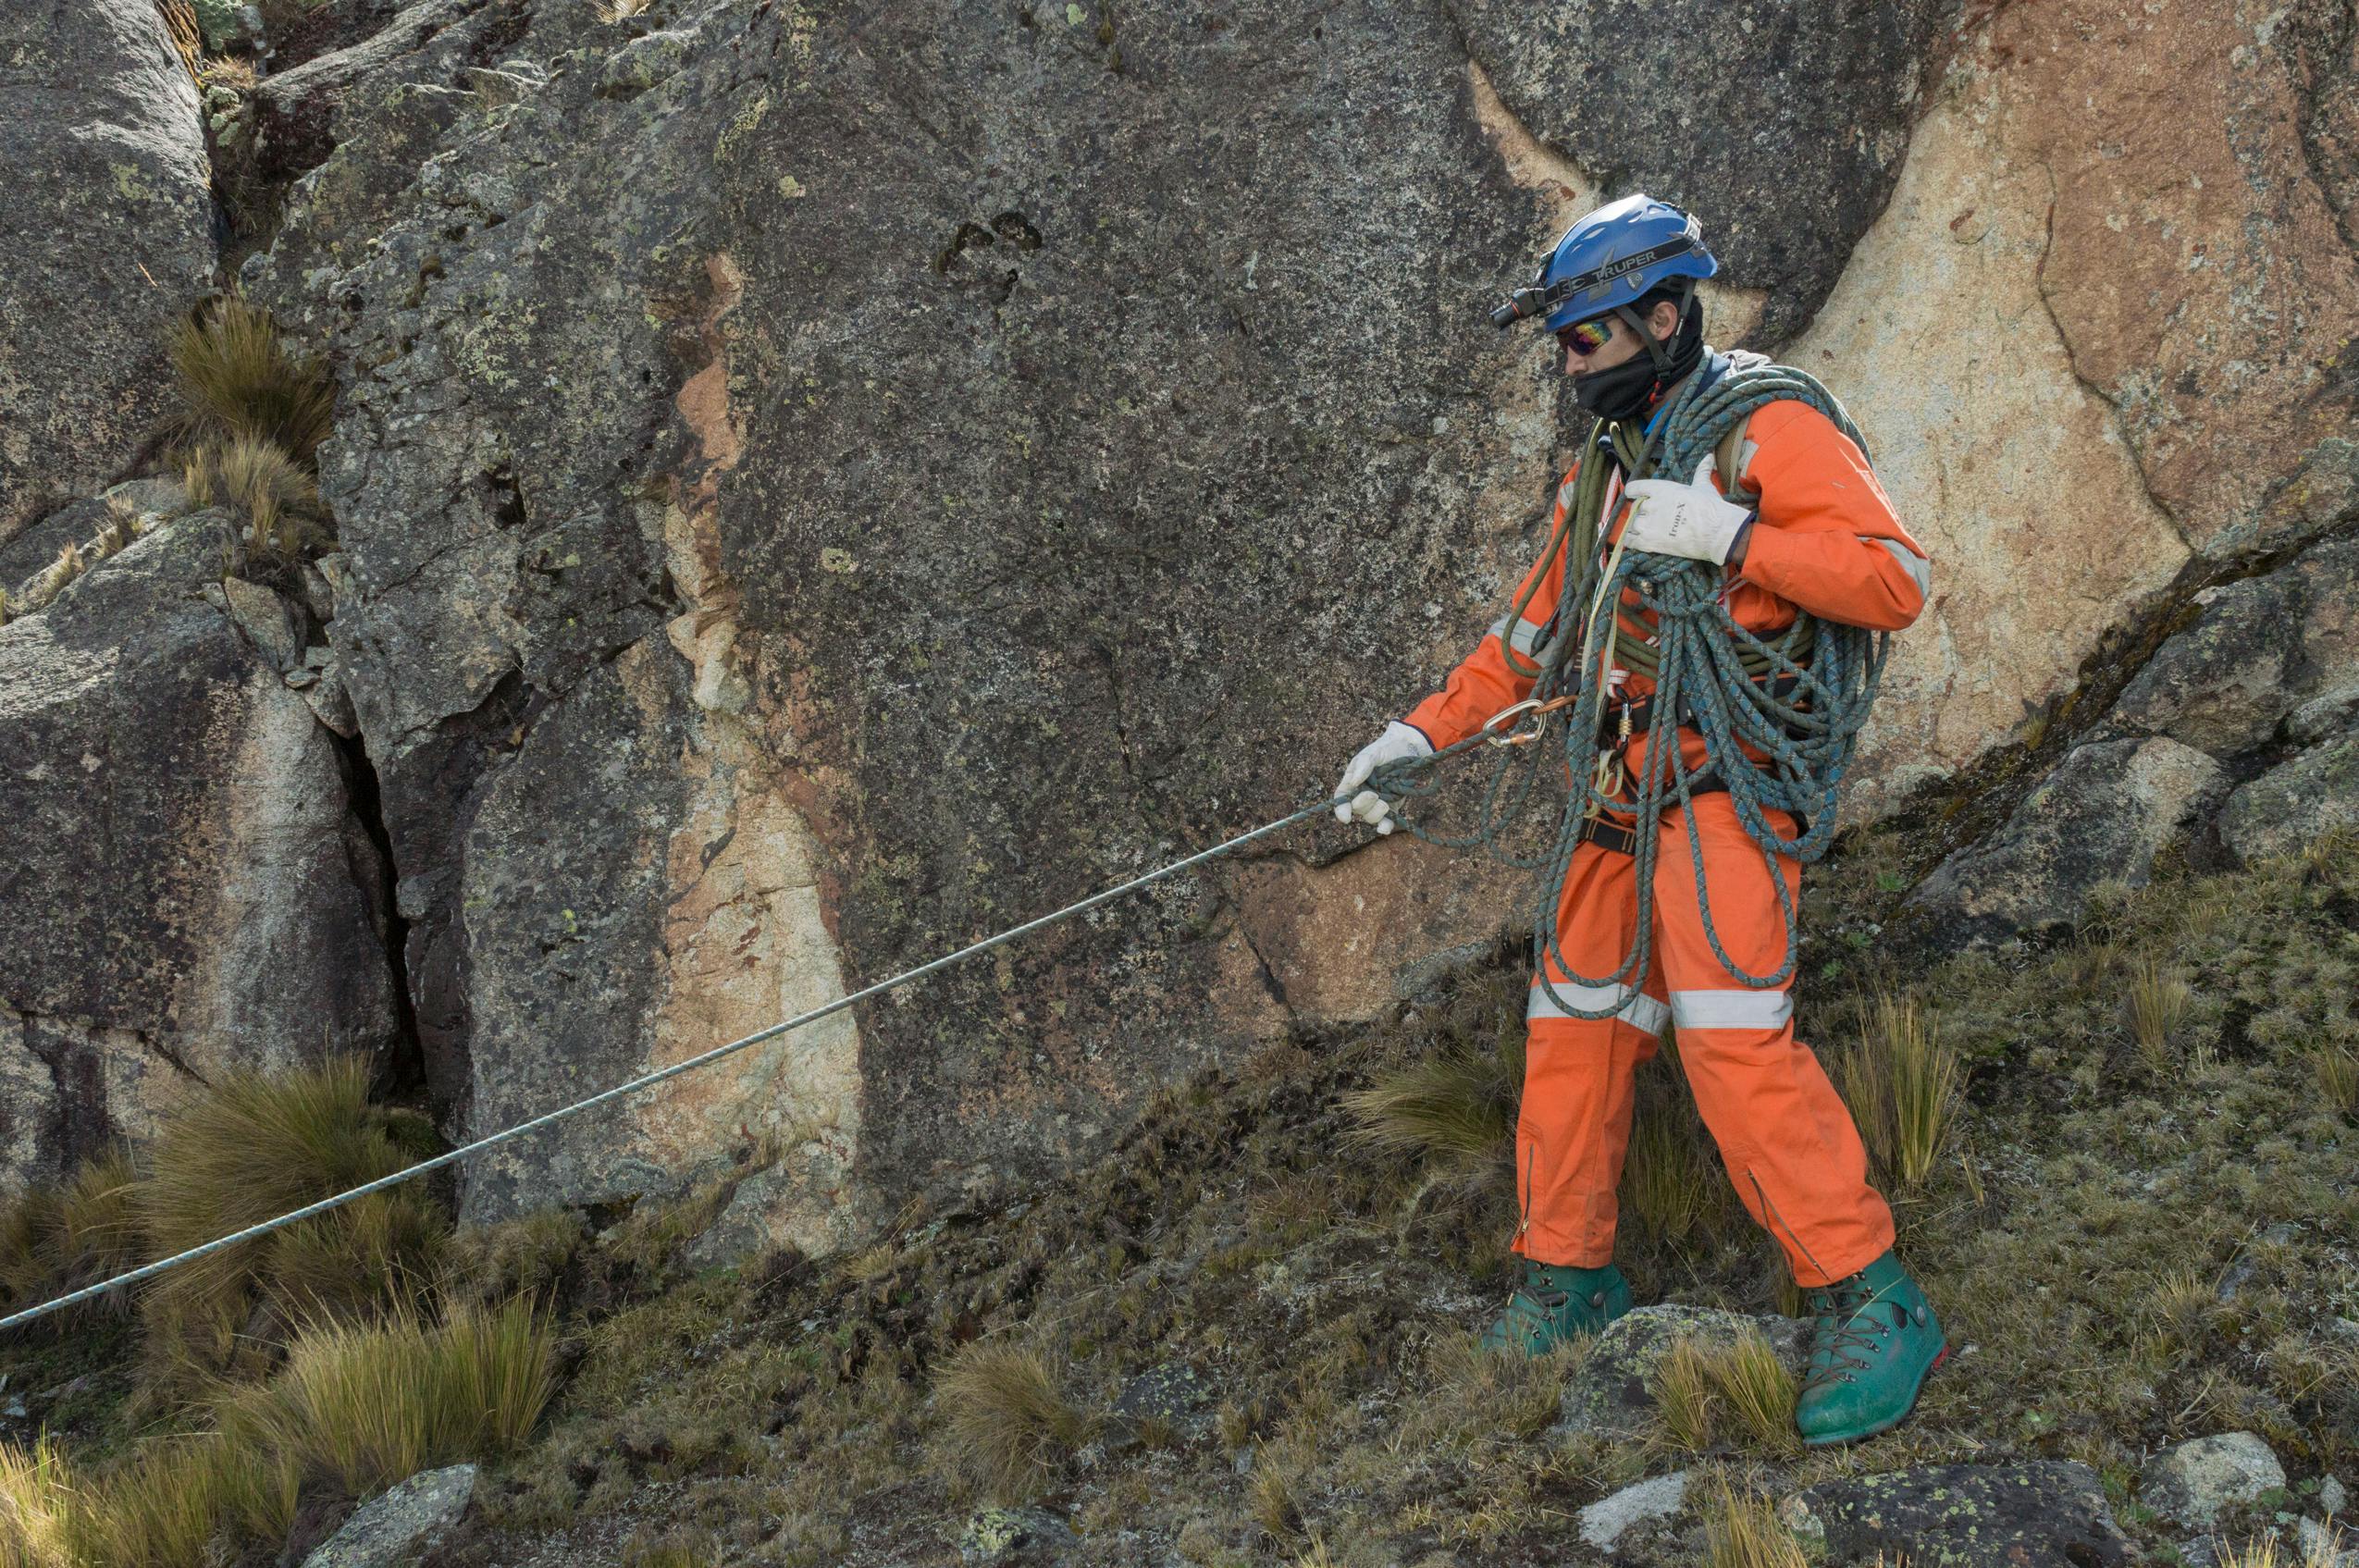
(1826, 541)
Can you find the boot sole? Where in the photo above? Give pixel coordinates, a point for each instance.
(1837, 1439)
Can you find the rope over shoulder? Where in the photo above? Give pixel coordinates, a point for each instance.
(1799, 696)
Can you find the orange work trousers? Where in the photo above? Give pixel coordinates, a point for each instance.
(1787, 1139)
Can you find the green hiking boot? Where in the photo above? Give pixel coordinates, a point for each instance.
(1551, 1304)
(1874, 1337)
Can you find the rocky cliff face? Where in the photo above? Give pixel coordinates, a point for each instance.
(816, 485)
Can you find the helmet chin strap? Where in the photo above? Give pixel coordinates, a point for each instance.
(1655, 351)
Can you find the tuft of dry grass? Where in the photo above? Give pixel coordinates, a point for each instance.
(57, 1239)
(261, 483)
(1455, 1108)
(235, 381)
(1696, 1382)
(2266, 1550)
(1669, 1177)
(252, 1146)
(1682, 1398)
(1758, 1390)
(2153, 1008)
(1005, 1419)
(1902, 1083)
(37, 1508)
(2336, 1067)
(1744, 1532)
(372, 1404)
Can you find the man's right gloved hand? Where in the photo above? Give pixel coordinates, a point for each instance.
(1398, 741)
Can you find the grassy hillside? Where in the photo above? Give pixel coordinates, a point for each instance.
(2124, 1169)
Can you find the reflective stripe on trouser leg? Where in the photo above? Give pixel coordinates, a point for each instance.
(1574, 1126)
(1785, 1135)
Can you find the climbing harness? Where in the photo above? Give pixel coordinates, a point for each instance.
(1800, 695)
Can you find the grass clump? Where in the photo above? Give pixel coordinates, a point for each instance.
(37, 1508)
(361, 1407)
(1902, 1083)
(1698, 1383)
(260, 483)
(124, 523)
(235, 379)
(371, 1404)
(1454, 1109)
(1005, 1419)
(56, 1240)
(247, 431)
(2153, 1007)
(1745, 1531)
(253, 1147)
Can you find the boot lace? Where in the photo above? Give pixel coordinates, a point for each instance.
(1842, 1323)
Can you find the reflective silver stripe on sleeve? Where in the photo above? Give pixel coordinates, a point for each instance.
(1641, 1011)
(1498, 629)
(1732, 1010)
(1527, 633)
(1920, 570)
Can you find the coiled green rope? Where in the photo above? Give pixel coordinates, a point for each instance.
(1697, 653)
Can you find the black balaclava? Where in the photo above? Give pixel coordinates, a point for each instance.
(1625, 391)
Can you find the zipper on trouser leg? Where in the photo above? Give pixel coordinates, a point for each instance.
(1524, 1222)
(1770, 1209)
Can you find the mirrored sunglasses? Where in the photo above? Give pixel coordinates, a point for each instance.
(1586, 337)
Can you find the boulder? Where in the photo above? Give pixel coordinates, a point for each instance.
(190, 887)
(1606, 1522)
(1610, 1395)
(2045, 1513)
(398, 1528)
(108, 233)
(2101, 817)
(2193, 1483)
(2258, 651)
(2292, 805)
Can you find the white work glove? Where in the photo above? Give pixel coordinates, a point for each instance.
(1399, 740)
(1694, 520)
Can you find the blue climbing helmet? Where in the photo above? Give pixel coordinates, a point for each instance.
(1610, 258)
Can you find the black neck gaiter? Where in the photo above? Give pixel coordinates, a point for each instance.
(1623, 392)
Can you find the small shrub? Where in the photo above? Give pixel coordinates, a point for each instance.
(1006, 1419)
(237, 382)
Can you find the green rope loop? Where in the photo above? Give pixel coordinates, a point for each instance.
(1699, 653)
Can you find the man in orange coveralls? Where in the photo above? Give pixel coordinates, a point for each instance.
(1619, 291)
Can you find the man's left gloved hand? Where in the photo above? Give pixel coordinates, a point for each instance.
(1694, 519)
